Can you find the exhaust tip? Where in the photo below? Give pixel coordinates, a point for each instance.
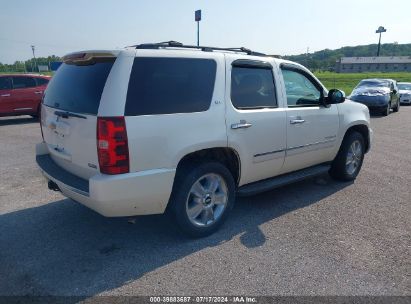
(53, 186)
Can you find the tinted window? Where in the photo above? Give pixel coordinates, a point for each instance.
(78, 88)
(23, 82)
(42, 81)
(5, 83)
(170, 85)
(252, 88)
(300, 89)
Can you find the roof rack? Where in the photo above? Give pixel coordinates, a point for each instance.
(176, 44)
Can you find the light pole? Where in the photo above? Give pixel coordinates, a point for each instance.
(34, 56)
(197, 18)
(380, 30)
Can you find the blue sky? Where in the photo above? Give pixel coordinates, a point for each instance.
(274, 27)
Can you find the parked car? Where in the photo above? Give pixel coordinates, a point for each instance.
(179, 129)
(405, 92)
(380, 95)
(21, 94)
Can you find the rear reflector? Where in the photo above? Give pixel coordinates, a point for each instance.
(112, 145)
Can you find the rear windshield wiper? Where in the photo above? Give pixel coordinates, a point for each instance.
(66, 114)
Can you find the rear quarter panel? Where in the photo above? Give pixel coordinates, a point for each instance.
(161, 141)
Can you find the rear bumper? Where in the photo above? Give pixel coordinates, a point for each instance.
(139, 193)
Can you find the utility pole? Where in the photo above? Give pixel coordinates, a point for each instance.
(197, 18)
(380, 30)
(34, 56)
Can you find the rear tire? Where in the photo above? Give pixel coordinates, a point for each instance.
(202, 198)
(348, 162)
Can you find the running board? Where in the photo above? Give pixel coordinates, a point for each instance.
(282, 180)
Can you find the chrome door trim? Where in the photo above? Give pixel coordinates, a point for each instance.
(311, 144)
(267, 153)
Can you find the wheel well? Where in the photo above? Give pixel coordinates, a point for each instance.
(363, 130)
(226, 156)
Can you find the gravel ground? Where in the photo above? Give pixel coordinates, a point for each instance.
(317, 237)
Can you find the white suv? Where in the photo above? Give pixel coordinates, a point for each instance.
(183, 129)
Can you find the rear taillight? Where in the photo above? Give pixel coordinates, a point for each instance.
(112, 145)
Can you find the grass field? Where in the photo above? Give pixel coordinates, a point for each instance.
(347, 82)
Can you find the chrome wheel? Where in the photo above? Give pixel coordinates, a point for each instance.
(207, 200)
(354, 157)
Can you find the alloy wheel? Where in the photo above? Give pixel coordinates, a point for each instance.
(354, 157)
(207, 200)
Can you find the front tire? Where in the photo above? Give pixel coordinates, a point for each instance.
(202, 197)
(387, 110)
(37, 114)
(349, 159)
(397, 108)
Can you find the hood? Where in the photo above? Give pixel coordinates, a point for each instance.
(370, 91)
(405, 92)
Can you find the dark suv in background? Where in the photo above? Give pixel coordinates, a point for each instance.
(21, 94)
(380, 95)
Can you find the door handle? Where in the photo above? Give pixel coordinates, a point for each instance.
(5, 95)
(242, 125)
(38, 92)
(297, 121)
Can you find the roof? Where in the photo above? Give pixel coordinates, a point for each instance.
(368, 60)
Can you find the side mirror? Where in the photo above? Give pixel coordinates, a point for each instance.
(394, 91)
(335, 96)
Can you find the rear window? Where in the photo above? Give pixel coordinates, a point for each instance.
(41, 81)
(170, 85)
(78, 88)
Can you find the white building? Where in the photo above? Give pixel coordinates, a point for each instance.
(373, 64)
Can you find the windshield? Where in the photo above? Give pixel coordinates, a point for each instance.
(78, 88)
(404, 86)
(373, 84)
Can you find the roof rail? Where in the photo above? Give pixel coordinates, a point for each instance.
(176, 44)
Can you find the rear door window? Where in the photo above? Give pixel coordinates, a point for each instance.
(5, 83)
(252, 88)
(78, 88)
(23, 82)
(170, 85)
